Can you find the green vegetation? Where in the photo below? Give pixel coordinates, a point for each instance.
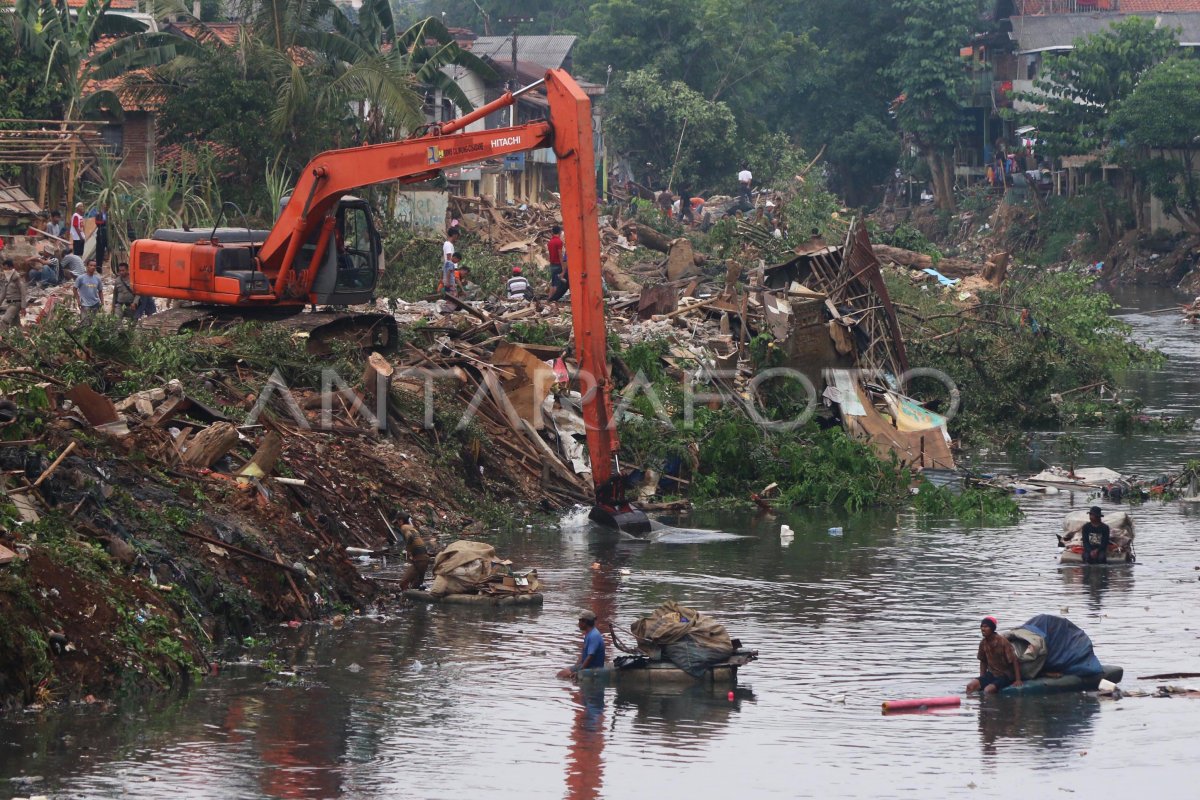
(1163, 147)
(908, 237)
(930, 74)
(1125, 417)
(973, 504)
(1006, 371)
(1079, 89)
(414, 265)
(730, 456)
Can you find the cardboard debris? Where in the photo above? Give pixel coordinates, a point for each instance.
(95, 407)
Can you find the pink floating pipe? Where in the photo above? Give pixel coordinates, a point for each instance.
(922, 704)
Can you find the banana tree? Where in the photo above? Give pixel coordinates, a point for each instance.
(84, 45)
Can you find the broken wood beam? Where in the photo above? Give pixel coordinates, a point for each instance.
(209, 445)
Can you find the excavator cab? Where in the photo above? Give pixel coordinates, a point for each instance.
(349, 269)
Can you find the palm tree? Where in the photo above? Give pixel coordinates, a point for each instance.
(76, 48)
(324, 60)
(83, 46)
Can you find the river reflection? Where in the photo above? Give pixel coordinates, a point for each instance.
(1062, 722)
(585, 755)
(1098, 583)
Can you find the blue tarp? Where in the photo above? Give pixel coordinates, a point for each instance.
(942, 279)
(1068, 649)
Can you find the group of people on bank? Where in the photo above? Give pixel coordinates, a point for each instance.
(456, 276)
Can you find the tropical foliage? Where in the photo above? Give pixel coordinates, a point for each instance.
(1078, 90)
(1158, 126)
(79, 46)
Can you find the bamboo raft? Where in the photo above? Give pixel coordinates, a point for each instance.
(421, 596)
(664, 673)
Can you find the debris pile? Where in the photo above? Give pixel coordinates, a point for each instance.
(825, 312)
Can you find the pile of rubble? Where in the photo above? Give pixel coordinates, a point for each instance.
(825, 310)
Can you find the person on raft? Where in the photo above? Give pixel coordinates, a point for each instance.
(416, 552)
(1095, 535)
(998, 665)
(591, 655)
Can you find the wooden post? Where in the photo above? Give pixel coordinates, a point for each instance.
(71, 177)
(265, 457)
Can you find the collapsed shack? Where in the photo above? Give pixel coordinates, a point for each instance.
(826, 312)
(830, 309)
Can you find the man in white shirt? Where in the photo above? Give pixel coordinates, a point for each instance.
(745, 178)
(449, 247)
(518, 285)
(77, 236)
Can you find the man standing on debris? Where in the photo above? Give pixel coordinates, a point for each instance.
(1095, 535)
(448, 249)
(416, 552)
(89, 292)
(745, 178)
(558, 273)
(666, 202)
(591, 655)
(685, 205)
(77, 236)
(518, 285)
(125, 301)
(14, 295)
(998, 664)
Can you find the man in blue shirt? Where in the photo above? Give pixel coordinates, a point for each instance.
(591, 655)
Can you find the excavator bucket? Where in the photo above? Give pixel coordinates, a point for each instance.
(627, 520)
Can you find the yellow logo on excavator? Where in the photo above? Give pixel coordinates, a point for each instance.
(436, 154)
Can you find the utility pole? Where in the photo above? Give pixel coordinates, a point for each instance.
(513, 85)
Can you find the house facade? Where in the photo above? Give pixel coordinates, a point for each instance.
(1007, 61)
(521, 178)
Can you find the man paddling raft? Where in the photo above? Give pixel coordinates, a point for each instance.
(998, 664)
(591, 655)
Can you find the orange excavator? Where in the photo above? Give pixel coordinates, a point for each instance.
(324, 250)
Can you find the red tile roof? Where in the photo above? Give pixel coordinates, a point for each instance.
(135, 89)
(227, 32)
(1131, 6)
(116, 5)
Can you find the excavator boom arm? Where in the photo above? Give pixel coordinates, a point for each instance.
(336, 172)
(569, 130)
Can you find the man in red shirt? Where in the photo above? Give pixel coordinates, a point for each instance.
(558, 273)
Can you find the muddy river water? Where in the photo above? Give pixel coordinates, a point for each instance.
(456, 703)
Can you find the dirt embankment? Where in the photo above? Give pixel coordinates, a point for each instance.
(1033, 233)
(136, 571)
(132, 550)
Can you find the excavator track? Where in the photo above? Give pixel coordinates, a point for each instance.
(370, 330)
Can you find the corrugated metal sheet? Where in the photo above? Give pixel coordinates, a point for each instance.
(13, 199)
(548, 51)
(1059, 31)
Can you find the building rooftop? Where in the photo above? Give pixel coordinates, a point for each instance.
(550, 52)
(1035, 34)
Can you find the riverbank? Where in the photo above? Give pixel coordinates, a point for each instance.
(150, 522)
